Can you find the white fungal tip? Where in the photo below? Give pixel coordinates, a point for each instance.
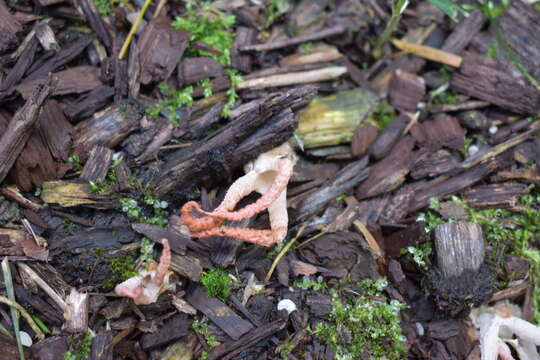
(473, 149)
(493, 129)
(286, 304)
(26, 340)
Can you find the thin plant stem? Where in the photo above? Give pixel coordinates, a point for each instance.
(14, 314)
(391, 26)
(133, 29)
(282, 253)
(25, 315)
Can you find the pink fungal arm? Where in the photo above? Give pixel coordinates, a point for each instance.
(146, 287)
(269, 176)
(261, 237)
(279, 185)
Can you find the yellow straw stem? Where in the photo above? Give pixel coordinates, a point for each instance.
(134, 29)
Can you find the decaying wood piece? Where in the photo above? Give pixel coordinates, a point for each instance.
(229, 350)
(305, 77)
(187, 266)
(134, 70)
(346, 179)
(496, 196)
(14, 138)
(389, 136)
(232, 324)
(76, 312)
(75, 305)
(17, 71)
(75, 80)
(483, 79)
(96, 22)
(55, 130)
(323, 55)
(52, 345)
(200, 125)
(12, 193)
(461, 279)
(95, 169)
(443, 187)
(434, 164)
(45, 153)
(69, 194)
(458, 40)
(161, 138)
(460, 247)
(160, 49)
(244, 36)
(328, 32)
(413, 235)
(467, 105)
(101, 346)
(406, 90)
(500, 148)
(175, 328)
(440, 132)
(89, 103)
(107, 128)
(363, 138)
(9, 28)
(194, 69)
(519, 25)
(390, 172)
(332, 120)
(271, 133)
(121, 77)
(211, 157)
(45, 65)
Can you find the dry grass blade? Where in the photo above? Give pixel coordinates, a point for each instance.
(26, 316)
(429, 53)
(11, 294)
(282, 253)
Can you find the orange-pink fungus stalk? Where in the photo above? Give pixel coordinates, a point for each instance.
(146, 287)
(268, 175)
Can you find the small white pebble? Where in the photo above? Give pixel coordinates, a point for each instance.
(286, 304)
(493, 129)
(420, 329)
(473, 149)
(26, 340)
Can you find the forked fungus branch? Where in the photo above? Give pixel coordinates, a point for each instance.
(268, 175)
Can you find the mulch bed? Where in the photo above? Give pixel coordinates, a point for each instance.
(402, 161)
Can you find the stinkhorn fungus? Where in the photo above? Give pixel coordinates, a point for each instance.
(146, 287)
(498, 325)
(268, 175)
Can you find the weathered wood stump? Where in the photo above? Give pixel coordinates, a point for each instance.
(461, 279)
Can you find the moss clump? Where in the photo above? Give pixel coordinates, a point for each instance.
(201, 328)
(211, 26)
(217, 283)
(122, 268)
(449, 97)
(79, 348)
(383, 115)
(365, 325)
